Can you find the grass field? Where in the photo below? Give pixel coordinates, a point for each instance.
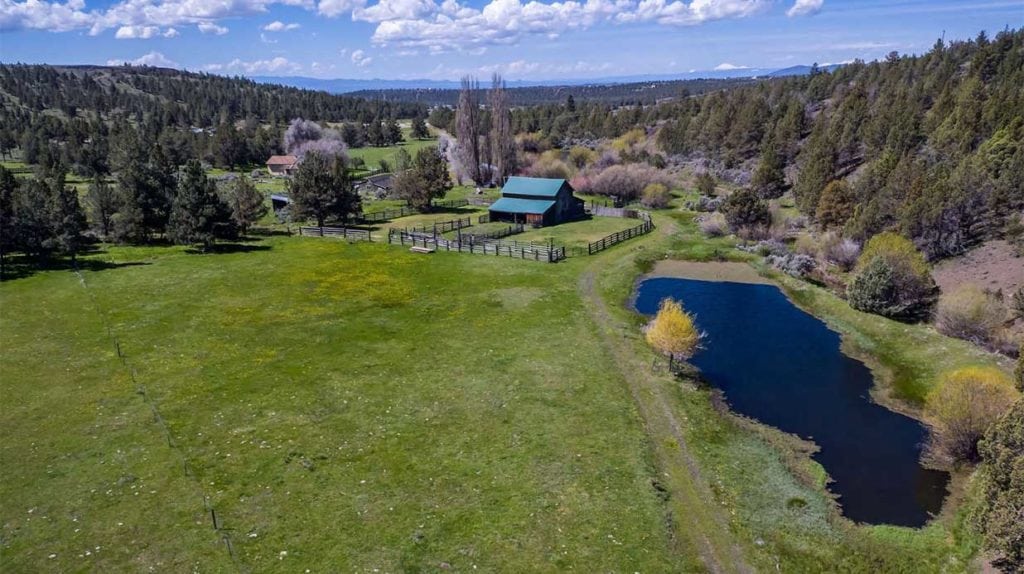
(398, 415)
(356, 407)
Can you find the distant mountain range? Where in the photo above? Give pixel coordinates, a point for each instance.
(347, 85)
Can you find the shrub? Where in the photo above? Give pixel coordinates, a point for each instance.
(1017, 302)
(964, 404)
(706, 184)
(892, 279)
(713, 225)
(627, 182)
(1002, 483)
(744, 209)
(841, 252)
(795, 264)
(971, 314)
(549, 165)
(656, 196)
(580, 157)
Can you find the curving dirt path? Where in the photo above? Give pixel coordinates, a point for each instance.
(699, 526)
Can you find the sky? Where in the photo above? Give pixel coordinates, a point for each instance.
(520, 39)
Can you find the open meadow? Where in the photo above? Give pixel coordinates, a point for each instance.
(358, 407)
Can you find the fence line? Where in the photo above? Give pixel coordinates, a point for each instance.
(449, 203)
(386, 215)
(513, 249)
(343, 232)
(618, 237)
(513, 229)
(442, 226)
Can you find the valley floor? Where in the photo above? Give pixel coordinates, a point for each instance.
(308, 403)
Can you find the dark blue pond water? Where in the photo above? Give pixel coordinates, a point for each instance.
(783, 367)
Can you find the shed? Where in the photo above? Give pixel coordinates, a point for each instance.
(282, 164)
(537, 201)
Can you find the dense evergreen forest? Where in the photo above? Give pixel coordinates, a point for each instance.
(930, 145)
(618, 95)
(71, 114)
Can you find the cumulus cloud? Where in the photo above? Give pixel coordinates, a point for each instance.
(725, 66)
(273, 66)
(170, 33)
(279, 26)
(211, 28)
(434, 25)
(151, 59)
(359, 58)
(805, 8)
(37, 15)
(332, 8)
(136, 32)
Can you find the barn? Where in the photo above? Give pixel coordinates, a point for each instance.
(282, 164)
(537, 201)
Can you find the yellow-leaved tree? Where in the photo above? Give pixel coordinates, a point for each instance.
(963, 405)
(673, 332)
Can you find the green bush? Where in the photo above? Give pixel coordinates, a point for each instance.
(745, 209)
(892, 279)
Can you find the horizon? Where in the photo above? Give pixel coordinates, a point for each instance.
(425, 40)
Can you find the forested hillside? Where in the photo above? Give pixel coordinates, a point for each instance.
(70, 114)
(930, 145)
(615, 94)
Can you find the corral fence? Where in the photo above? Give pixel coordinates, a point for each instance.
(395, 212)
(442, 226)
(449, 203)
(485, 218)
(479, 236)
(343, 232)
(513, 249)
(618, 237)
(481, 201)
(386, 214)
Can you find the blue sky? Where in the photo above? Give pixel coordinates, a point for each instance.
(522, 39)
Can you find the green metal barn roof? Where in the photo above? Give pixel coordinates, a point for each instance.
(515, 205)
(532, 186)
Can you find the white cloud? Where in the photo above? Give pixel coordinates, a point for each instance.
(279, 26)
(519, 69)
(273, 66)
(211, 28)
(136, 32)
(805, 8)
(151, 59)
(359, 58)
(725, 66)
(170, 33)
(332, 8)
(41, 15)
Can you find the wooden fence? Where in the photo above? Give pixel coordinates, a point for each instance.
(512, 229)
(604, 243)
(442, 226)
(343, 232)
(485, 218)
(513, 249)
(449, 203)
(386, 215)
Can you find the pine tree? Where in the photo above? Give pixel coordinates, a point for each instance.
(246, 202)
(198, 216)
(419, 128)
(101, 203)
(836, 205)
(67, 219)
(818, 168)
(321, 189)
(769, 180)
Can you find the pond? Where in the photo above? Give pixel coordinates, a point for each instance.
(779, 365)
